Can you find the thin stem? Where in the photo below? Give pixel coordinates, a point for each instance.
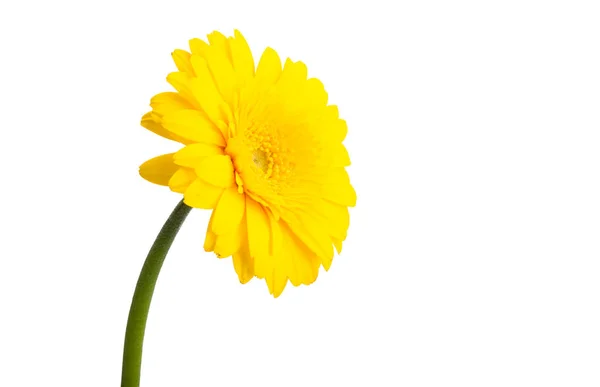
(138, 314)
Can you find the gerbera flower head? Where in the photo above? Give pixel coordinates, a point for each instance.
(263, 150)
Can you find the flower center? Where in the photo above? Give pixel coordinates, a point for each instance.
(261, 162)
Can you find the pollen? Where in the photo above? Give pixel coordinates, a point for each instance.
(260, 159)
(268, 158)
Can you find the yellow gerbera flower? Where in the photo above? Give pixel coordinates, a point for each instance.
(262, 149)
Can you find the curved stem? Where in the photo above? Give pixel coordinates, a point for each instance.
(138, 313)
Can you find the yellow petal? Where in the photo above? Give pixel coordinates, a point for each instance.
(331, 124)
(198, 47)
(192, 125)
(287, 260)
(338, 245)
(151, 123)
(326, 260)
(315, 235)
(182, 61)
(243, 262)
(181, 179)
(229, 212)
(258, 237)
(218, 41)
(335, 217)
(291, 88)
(277, 284)
(338, 188)
(211, 238)
(281, 261)
(275, 246)
(205, 91)
(340, 157)
(182, 82)
(216, 170)
(191, 155)
(159, 169)
(311, 231)
(242, 59)
(222, 73)
(202, 195)
(164, 103)
(339, 129)
(267, 74)
(269, 68)
(293, 75)
(228, 244)
(304, 264)
(315, 92)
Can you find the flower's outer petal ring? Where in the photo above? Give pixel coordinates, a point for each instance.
(194, 126)
(202, 195)
(217, 170)
(229, 212)
(182, 179)
(191, 155)
(159, 169)
(151, 123)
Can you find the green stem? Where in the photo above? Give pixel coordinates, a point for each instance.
(138, 314)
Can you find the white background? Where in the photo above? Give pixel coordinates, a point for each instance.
(473, 254)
